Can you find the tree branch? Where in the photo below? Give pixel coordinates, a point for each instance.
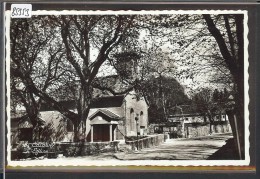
(230, 37)
(221, 43)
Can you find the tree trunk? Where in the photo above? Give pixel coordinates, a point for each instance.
(239, 119)
(35, 133)
(76, 131)
(210, 122)
(210, 128)
(85, 98)
(164, 108)
(231, 114)
(205, 118)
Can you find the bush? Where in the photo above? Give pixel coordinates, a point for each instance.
(114, 145)
(52, 155)
(73, 150)
(23, 150)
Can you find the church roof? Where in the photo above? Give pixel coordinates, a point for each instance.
(109, 101)
(105, 112)
(18, 114)
(20, 117)
(101, 102)
(69, 104)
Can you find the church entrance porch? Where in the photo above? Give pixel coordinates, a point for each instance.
(103, 132)
(103, 124)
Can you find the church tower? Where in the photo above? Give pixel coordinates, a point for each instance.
(126, 64)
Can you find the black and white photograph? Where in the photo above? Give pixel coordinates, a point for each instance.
(128, 88)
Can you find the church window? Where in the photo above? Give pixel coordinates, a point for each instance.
(141, 118)
(69, 126)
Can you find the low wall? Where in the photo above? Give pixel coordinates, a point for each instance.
(221, 128)
(83, 149)
(148, 141)
(197, 131)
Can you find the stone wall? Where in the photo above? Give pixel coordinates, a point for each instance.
(221, 128)
(147, 142)
(197, 131)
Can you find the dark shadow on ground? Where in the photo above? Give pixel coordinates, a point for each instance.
(226, 152)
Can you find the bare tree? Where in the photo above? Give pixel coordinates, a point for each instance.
(231, 46)
(27, 43)
(203, 103)
(78, 35)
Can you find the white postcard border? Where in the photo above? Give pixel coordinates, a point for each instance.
(244, 162)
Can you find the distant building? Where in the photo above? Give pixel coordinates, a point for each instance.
(186, 114)
(184, 121)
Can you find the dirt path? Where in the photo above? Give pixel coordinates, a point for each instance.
(180, 149)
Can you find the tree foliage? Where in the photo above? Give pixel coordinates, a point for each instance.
(28, 43)
(211, 103)
(162, 94)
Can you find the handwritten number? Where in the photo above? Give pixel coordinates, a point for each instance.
(20, 12)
